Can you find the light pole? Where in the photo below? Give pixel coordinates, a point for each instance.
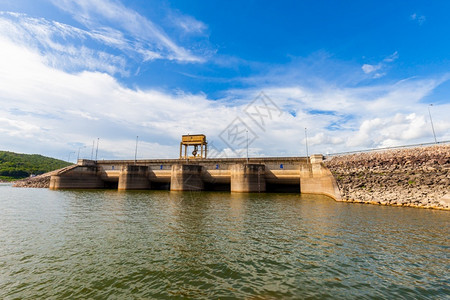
(135, 151)
(247, 144)
(432, 126)
(96, 152)
(92, 152)
(78, 156)
(70, 153)
(306, 142)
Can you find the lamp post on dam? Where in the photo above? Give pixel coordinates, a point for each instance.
(431, 120)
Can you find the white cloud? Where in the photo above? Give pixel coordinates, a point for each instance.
(114, 38)
(375, 70)
(146, 36)
(391, 57)
(339, 119)
(61, 108)
(50, 111)
(188, 24)
(391, 131)
(59, 44)
(321, 138)
(420, 19)
(370, 68)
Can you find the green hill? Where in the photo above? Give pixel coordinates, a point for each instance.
(15, 166)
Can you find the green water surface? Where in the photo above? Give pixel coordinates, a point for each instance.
(211, 245)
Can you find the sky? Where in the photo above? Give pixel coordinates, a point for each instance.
(95, 78)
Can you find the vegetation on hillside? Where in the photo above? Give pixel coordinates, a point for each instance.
(15, 166)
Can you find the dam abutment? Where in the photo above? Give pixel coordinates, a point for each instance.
(79, 177)
(315, 178)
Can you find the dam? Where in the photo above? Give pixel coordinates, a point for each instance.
(298, 174)
(307, 175)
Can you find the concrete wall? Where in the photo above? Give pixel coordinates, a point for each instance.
(315, 178)
(241, 175)
(81, 177)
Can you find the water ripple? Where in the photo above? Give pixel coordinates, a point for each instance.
(157, 244)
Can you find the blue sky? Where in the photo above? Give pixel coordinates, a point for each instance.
(356, 74)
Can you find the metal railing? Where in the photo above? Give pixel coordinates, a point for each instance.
(387, 148)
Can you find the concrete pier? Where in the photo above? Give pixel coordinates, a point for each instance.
(248, 178)
(134, 177)
(81, 177)
(307, 175)
(186, 178)
(315, 178)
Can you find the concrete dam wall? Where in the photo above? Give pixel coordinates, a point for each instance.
(306, 175)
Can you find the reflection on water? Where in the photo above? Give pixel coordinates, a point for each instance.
(160, 244)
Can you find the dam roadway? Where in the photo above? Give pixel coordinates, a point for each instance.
(279, 174)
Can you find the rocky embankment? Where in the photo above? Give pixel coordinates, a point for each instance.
(416, 177)
(40, 181)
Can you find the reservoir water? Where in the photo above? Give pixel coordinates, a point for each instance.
(211, 245)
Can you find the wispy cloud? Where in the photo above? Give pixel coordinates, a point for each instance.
(391, 58)
(113, 38)
(188, 24)
(48, 109)
(370, 68)
(378, 70)
(62, 46)
(88, 105)
(419, 19)
(147, 38)
(341, 118)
